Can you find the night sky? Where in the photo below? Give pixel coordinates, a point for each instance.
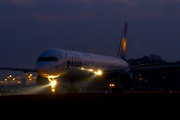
(28, 27)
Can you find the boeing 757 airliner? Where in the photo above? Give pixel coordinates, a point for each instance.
(57, 63)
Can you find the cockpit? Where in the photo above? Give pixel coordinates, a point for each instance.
(46, 59)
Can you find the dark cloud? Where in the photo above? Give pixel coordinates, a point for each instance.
(28, 27)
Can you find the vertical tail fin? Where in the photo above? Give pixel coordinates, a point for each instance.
(122, 47)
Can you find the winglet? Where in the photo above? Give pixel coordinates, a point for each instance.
(122, 46)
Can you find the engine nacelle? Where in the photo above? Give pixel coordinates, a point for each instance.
(42, 80)
(125, 79)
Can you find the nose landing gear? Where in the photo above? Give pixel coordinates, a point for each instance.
(53, 84)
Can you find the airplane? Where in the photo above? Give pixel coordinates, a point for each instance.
(58, 63)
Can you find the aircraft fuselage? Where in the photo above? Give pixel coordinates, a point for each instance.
(55, 63)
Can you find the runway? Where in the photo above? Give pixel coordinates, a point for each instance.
(92, 100)
(35, 89)
(30, 97)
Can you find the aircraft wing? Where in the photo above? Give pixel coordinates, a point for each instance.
(117, 71)
(154, 68)
(18, 69)
(113, 71)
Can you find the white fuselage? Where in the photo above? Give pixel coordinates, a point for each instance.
(55, 63)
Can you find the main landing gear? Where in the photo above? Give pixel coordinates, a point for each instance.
(72, 89)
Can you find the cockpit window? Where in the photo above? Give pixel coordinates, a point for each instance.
(55, 59)
(47, 59)
(41, 59)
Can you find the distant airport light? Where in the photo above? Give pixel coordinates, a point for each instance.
(140, 79)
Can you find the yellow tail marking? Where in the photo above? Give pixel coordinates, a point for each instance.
(123, 43)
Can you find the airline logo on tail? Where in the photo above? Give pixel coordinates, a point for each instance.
(123, 43)
(122, 46)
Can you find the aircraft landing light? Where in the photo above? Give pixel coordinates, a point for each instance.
(53, 83)
(53, 90)
(53, 86)
(99, 72)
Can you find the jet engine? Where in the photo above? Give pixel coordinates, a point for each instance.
(125, 79)
(42, 80)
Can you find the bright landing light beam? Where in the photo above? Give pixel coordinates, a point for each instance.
(53, 83)
(99, 72)
(53, 86)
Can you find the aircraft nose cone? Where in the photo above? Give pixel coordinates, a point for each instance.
(42, 69)
(47, 70)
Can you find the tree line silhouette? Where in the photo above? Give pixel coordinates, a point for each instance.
(151, 59)
(162, 79)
